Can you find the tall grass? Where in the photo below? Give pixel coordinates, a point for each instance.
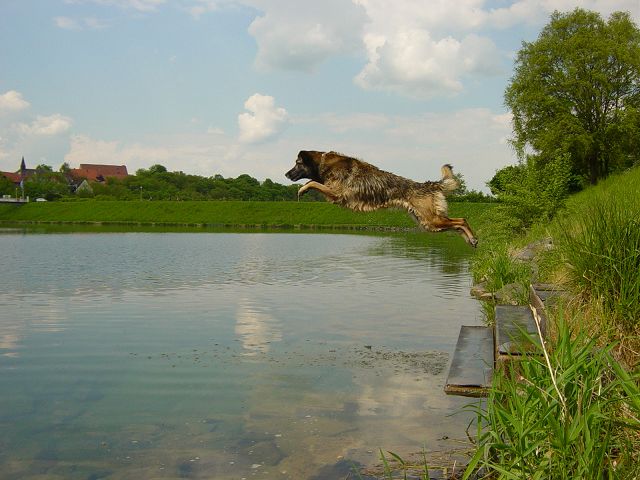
(571, 415)
(495, 266)
(602, 249)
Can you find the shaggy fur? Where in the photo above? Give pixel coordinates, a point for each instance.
(360, 186)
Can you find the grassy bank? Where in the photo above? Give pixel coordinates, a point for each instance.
(224, 213)
(574, 411)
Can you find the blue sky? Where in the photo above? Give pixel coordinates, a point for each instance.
(230, 87)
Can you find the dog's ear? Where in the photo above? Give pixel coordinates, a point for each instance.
(308, 157)
(304, 156)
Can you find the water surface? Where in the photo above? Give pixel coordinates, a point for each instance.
(226, 355)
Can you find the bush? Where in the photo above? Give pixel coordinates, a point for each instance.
(533, 191)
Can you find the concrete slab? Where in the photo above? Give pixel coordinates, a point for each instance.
(471, 368)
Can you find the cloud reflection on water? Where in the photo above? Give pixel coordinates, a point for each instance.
(256, 328)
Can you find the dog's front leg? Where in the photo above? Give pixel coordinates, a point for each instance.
(326, 191)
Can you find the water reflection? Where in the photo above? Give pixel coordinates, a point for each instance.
(224, 356)
(256, 328)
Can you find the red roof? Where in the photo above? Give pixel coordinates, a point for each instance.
(14, 177)
(99, 172)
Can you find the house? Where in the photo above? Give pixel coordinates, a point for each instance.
(22, 174)
(99, 173)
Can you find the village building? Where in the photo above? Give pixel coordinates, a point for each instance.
(22, 174)
(99, 173)
(87, 171)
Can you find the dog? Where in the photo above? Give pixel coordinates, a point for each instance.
(360, 186)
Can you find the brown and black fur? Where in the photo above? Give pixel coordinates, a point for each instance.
(361, 186)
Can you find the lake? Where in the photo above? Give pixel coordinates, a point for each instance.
(131, 355)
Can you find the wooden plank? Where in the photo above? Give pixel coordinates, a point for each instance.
(471, 368)
(513, 324)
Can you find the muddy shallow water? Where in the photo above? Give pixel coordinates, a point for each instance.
(223, 355)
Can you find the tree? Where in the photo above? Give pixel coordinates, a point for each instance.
(576, 91)
(157, 168)
(6, 186)
(42, 168)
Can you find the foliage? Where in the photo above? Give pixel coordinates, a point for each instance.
(565, 414)
(601, 245)
(46, 184)
(6, 186)
(531, 191)
(576, 89)
(157, 183)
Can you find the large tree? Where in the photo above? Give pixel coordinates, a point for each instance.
(576, 91)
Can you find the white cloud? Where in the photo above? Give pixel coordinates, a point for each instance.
(46, 125)
(301, 35)
(424, 51)
(215, 130)
(12, 101)
(413, 63)
(197, 8)
(91, 23)
(264, 120)
(66, 23)
(412, 48)
(139, 5)
(538, 11)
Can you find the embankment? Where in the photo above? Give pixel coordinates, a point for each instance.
(223, 213)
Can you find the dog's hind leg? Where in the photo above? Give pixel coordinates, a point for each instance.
(326, 191)
(438, 223)
(460, 224)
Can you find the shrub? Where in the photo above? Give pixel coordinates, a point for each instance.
(533, 191)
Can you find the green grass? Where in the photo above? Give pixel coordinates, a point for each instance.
(577, 414)
(571, 412)
(219, 213)
(599, 241)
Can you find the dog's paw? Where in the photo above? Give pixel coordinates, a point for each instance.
(473, 242)
(303, 189)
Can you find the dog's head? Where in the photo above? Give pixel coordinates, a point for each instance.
(306, 166)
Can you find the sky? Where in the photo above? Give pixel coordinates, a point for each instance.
(240, 86)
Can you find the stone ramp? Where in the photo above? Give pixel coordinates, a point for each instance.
(471, 370)
(481, 349)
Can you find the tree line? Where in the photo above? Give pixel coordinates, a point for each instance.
(157, 183)
(154, 183)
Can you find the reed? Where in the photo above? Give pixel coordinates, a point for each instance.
(602, 249)
(572, 412)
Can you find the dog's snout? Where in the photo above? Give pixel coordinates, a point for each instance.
(294, 174)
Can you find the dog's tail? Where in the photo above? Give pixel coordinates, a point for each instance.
(449, 183)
